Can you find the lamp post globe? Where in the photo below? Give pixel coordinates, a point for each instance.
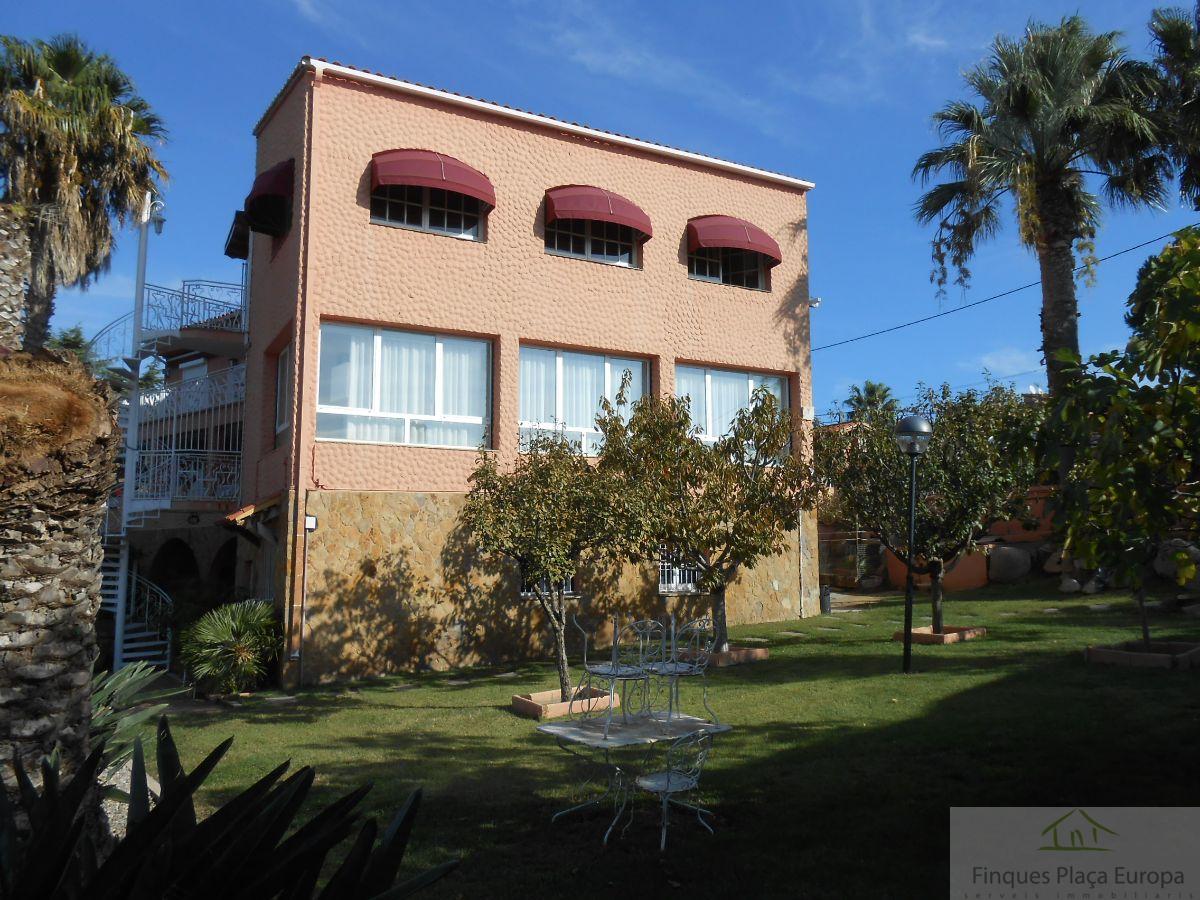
(913, 434)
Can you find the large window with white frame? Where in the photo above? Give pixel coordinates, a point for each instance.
(605, 242)
(428, 209)
(283, 391)
(561, 391)
(716, 395)
(384, 386)
(728, 265)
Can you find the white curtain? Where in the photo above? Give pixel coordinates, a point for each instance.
(689, 382)
(730, 392)
(772, 383)
(464, 378)
(346, 366)
(583, 388)
(637, 383)
(537, 385)
(407, 373)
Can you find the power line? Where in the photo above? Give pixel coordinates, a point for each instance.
(1008, 293)
(993, 379)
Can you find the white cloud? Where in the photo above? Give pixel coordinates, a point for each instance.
(1007, 361)
(926, 42)
(310, 10)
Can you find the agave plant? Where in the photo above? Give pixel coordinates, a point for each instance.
(231, 646)
(249, 848)
(122, 706)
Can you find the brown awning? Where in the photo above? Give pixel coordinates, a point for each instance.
(581, 201)
(237, 243)
(429, 169)
(269, 203)
(727, 231)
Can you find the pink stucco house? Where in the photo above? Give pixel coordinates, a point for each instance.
(429, 272)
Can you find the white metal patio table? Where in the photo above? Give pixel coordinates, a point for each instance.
(641, 731)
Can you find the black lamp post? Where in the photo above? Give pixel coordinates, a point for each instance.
(912, 436)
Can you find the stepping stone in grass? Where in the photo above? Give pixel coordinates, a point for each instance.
(792, 634)
(1051, 610)
(826, 628)
(1099, 607)
(457, 682)
(1009, 614)
(405, 687)
(506, 675)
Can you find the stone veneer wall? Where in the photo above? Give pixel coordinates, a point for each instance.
(394, 584)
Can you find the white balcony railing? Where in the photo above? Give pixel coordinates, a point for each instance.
(183, 398)
(168, 476)
(213, 305)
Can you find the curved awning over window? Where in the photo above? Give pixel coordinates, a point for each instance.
(269, 203)
(727, 231)
(580, 201)
(429, 169)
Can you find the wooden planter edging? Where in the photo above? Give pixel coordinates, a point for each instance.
(951, 634)
(546, 705)
(734, 656)
(1161, 655)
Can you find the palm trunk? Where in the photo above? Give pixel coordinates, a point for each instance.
(58, 445)
(39, 299)
(1060, 309)
(936, 573)
(720, 624)
(14, 273)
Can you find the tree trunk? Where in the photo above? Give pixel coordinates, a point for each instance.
(39, 298)
(720, 625)
(937, 572)
(1060, 309)
(1140, 596)
(555, 609)
(14, 273)
(58, 445)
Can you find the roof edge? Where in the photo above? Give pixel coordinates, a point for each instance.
(321, 68)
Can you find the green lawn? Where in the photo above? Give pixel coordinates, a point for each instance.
(835, 782)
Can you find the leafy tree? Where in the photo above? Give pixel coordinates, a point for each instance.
(870, 397)
(976, 469)
(544, 516)
(1054, 108)
(719, 508)
(75, 157)
(72, 340)
(1138, 414)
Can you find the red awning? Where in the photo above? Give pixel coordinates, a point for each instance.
(269, 203)
(579, 201)
(429, 169)
(237, 244)
(726, 231)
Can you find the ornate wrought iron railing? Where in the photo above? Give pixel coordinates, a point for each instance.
(173, 475)
(113, 342)
(201, 304)
(195, 395)
(149, 604)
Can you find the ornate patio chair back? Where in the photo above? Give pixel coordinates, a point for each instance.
(627, 646)
(651, 637)
(687, 756)
(582, 627)
(695, 643)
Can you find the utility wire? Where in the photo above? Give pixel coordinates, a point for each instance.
(1008, 293)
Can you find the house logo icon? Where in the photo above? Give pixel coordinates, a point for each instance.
(1076, 831)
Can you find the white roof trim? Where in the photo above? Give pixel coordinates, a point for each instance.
(406, 87)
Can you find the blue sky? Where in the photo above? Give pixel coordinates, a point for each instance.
(837, 93)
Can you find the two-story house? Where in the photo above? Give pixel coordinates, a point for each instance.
(430, 273)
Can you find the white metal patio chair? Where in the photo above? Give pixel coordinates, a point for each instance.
(633, 646)
(686, 656)
(685, 762)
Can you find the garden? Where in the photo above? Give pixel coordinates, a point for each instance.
(834, 782)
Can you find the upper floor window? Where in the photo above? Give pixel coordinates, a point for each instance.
(430, 191)
(283, 389)
(727, 250)
(604, 242)
(726, 265)
(717, 395)
(561, 391)
(384, 386)
(428, 209)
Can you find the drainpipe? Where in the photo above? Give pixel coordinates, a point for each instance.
(310, 525)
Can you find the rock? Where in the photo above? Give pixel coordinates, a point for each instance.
(1166, 564)
(1008, 564)
(1056, 562)
(1093, 586)
(1068, 585)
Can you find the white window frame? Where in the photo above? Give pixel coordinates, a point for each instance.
(752, 381)
(635, 256)
(426, 205)
(283, 389)
(675, 577)
(572, 587)
(374, 412)
(612, 385)
(764, 271)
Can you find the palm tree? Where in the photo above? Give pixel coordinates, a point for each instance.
(1176, 37)
(75, 158)
(872, 397)
(1058, 107)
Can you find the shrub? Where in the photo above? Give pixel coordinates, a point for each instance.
(122, 705)
(232, 645)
